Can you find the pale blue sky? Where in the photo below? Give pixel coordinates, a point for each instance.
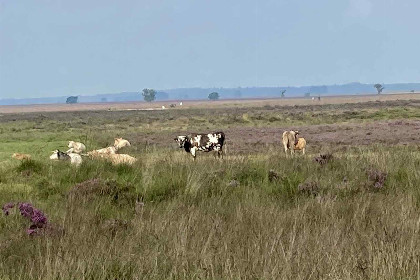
(55, 48)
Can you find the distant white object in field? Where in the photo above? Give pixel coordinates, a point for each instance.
(180, 103)
(313, 98)
(163, 107)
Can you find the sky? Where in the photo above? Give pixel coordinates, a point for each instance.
(57, 48)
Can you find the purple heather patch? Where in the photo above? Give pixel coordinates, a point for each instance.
(36, 216)
(6, 208)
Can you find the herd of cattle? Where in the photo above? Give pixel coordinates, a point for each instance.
(190, 143)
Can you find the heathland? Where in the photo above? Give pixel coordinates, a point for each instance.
(256, 214)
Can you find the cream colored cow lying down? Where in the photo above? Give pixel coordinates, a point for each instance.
(76, 147)
(119, 143)
(20, 156)
(114, 158)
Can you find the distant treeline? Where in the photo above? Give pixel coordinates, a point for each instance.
(226, 93)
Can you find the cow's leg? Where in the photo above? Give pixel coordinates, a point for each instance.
(303, 151)
(220, 153)
(194, 152)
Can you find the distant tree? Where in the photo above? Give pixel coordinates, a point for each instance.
(282, 93)
(149, 95)
(412, 91)
(72, 99)
(379, 88)
(308, 94)
(214, 96)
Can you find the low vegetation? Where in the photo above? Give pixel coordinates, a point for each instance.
(349, 213)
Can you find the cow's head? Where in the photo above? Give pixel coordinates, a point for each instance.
(59, 155)
(54, 154)
(71, 143)
(181, 140)
(121, 143)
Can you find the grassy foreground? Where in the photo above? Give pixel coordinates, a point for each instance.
(259, 215)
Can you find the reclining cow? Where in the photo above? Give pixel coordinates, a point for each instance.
(202, 142)
(75, 159)
(119, 143)
(76, 147)
(20, 156)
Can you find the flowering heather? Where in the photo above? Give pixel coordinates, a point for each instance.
(6, 208)
(36, 216)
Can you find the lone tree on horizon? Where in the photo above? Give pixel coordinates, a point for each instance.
(214, 96)
(379, 88)
(71, 100)
(149, 94)
(282, 93)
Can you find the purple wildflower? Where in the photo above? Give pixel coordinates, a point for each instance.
(36, 216)
(32, 230)
(6, 208)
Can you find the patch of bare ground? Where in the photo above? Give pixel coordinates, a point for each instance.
(396, 132)
(249, 139)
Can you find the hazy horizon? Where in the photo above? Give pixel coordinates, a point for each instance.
(59, 48)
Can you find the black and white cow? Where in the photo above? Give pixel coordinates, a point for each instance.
(202, 142)
(74, 158)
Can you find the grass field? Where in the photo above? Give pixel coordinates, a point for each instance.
(256, 214)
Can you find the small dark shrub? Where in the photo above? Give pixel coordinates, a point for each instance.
(377, 178)
(323, 159)
(27, 167)
(88, 190)
(310, 188)
(273, 175)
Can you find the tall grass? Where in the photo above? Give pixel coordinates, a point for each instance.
(195, 224)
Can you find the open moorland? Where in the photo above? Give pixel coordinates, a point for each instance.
(256, 214)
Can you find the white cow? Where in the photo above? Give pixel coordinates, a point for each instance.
(75, 159)
(76, 147)
(290, 139)
(119, 143)
(115, 159)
